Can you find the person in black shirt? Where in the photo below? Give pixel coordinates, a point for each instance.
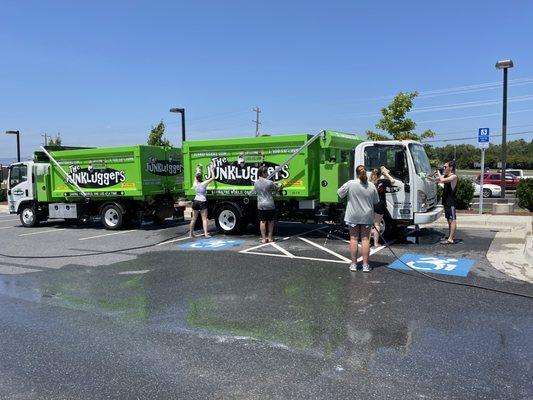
(448, 199)
(383, 180)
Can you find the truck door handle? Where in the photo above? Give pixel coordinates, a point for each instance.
(26, 192)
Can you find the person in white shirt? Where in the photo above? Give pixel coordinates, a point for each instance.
(200, 201)
(362, 197)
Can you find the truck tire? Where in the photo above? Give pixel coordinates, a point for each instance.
(229, 219)
(112, 217)
(387, 227)
(28, 216)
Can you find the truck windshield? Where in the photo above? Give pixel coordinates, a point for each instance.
(17, 175)
(391, 156)
(420, 159)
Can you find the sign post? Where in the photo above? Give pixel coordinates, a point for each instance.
(483, 140)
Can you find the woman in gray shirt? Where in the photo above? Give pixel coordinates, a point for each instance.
(266, 208)
(362, 196)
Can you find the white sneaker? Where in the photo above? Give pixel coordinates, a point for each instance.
(366, 268)
(353, 267)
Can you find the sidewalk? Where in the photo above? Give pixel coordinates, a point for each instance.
(511, 251)
(3, 208)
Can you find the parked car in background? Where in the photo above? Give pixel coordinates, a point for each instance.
(519, 173)
(489, 190)
(511, 181)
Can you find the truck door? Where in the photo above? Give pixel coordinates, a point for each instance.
(19, 185)
(393, 156)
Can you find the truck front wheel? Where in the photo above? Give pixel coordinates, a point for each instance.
(28, 216)
(229, 219)
(112, 217)
(387, 227)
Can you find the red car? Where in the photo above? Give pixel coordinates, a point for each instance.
(511, 181)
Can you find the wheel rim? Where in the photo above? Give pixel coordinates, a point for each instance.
(111, 217)
(486, 193)
(227, 220)
(28, 216)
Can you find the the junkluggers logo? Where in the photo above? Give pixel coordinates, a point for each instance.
(91, 178)
(163, 167)
(240, 173)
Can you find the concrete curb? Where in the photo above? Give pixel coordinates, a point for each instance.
(4, 209)
(502, 223)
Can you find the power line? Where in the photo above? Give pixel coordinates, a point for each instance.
(473, 138)
(475, 130)
(472, 116)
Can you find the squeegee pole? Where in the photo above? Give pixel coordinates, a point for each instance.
(64, 172)
(298, 151)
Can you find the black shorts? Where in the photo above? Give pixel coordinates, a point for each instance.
(449, 213)
(266, 215)
(199, 205)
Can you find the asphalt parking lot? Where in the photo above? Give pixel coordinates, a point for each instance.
(150, 313)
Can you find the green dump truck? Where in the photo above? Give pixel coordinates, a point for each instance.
(310, 169)
(117, 184)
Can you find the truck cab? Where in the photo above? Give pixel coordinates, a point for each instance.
(413, 197)
(21, 192)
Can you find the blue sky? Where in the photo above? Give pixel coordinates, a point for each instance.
(103, 72)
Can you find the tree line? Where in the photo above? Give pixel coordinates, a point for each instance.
(519, 155)
(396, 125)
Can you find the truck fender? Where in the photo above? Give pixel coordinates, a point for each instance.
(116, 203)
(23, 204)
(232, 203)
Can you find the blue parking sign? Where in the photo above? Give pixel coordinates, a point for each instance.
(434, 264)
(483, 135)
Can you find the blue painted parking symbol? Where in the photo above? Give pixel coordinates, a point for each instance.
(434, 264)
(211, 244)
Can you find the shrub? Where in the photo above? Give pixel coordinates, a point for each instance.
(524, 194)
(464, 193)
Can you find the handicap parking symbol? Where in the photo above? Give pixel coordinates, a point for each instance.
(211, 244)
(434, 264)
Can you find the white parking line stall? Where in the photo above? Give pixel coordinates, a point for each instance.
(284, 252)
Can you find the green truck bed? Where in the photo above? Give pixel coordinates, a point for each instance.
(133, 172)
(315, 173)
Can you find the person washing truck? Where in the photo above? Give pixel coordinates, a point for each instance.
(362, 197)
(448, 199)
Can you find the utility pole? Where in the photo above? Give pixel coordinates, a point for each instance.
(45, 139)
(257, 123)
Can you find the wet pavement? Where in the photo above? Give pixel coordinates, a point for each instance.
(175, 322)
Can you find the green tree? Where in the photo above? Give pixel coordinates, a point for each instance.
(55, 141)
(156, 136)
(395, 122)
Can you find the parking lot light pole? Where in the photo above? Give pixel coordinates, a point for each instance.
(18, 142)
(505, 65)
(182, 112)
